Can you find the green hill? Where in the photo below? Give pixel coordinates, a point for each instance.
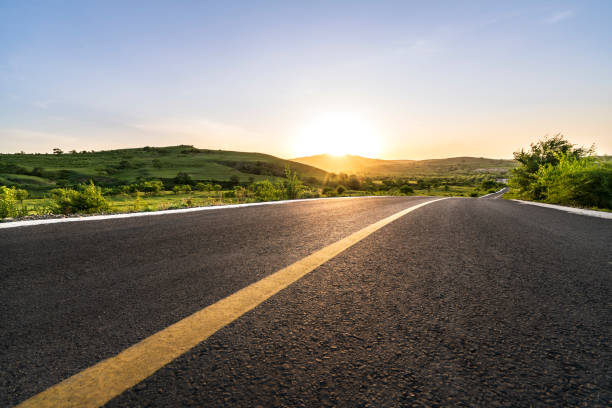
(407, 168)
(124, 166)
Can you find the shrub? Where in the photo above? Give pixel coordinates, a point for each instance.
(151, 187)
(576, 181)
(541, 154)
(328, 191)
(8, 202)
(293, 185)
(183, 178)
(489, 184)
(266, 191)
(87, 200)
(406, 189)
(340, 189)
(181, 188)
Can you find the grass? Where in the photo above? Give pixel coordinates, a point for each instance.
(121, 174)
(125, 166)
(164, 200)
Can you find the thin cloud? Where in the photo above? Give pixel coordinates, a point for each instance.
(559, 16)
(15, 140)
(201, 132)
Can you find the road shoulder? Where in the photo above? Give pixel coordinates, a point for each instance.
(581, 211)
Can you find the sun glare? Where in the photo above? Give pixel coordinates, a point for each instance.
(338, 134)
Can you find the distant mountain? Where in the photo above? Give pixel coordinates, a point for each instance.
(404, 168)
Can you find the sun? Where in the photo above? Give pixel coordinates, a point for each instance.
(338, 134)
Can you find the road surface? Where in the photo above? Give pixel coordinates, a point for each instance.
(474, 302)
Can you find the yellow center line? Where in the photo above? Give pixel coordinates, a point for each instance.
(105, 380)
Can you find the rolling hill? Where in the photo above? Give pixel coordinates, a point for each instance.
(364, 166)
(124, 166)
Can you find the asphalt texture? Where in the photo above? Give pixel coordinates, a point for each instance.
(464, 302)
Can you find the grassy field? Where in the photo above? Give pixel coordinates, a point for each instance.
(40, 172)
(152, 178)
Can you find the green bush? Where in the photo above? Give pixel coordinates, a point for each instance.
(203, 187)
(88, 199)
(340, 189)
(406, 189)
(541, 154)
(8, 202)
(555, 171)
(490, 185)
(267, 191)
(183, 178)
(293, 185)
(185, 188)
(576, 181)
(329, 191)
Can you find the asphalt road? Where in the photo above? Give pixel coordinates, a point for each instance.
(474, 302)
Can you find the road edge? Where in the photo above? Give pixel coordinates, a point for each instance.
(573, 210)
(27, 223)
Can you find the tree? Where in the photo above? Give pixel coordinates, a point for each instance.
(235, 179)
(541, 154)
(353, 182)
(57, 151)
(183, 178)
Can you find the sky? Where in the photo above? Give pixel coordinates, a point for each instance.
(395, 80)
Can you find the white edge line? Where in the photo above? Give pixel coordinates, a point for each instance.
(27, 223)
(581, 211)
(490, 194)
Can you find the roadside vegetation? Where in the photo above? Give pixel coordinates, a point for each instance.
(555, 171)
(151, 179)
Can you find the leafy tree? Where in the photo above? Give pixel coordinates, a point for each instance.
(353, 182)
(541, 154)
(235, 179)
(57, 151)
(340, 189)
(183, 178)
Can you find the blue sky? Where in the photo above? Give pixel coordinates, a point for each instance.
(430, 79)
